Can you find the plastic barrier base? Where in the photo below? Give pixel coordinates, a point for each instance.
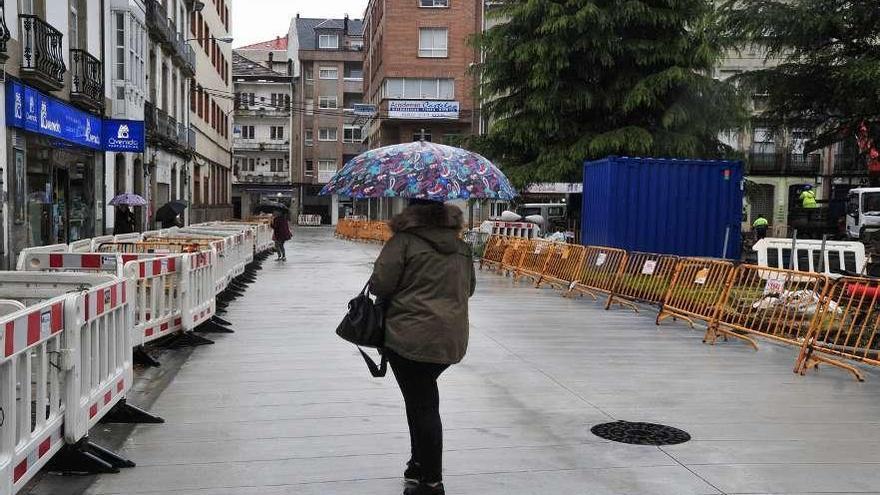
(125, 413)
(187, 339)
(211, 326)
(143, 358)
(85, 457)
(221, 321)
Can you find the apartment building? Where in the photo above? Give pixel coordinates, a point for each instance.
(53, 148)
(327, 60)
(261, 127)
(167, 65)
(211, 107)
(416, 63)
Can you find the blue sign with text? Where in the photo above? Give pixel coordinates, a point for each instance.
(124, 135)
(31, 110)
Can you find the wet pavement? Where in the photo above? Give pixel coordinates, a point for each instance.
(283, 406)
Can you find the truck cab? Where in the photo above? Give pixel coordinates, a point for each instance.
(863, 212)
(554, 214)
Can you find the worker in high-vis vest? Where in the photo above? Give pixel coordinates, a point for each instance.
(808, 197)
(759, 226)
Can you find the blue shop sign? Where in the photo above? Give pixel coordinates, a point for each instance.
(124, 135)
(31, 110)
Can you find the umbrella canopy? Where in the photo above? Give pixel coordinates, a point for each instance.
(420, 170)
(128, 199)
(169, 211)
(271, 207)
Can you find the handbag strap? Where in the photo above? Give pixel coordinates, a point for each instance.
(378, 371)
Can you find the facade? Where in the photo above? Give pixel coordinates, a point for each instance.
(52, 151)
(327, 57)
(261, 130)
(166, 68)
(211, 106)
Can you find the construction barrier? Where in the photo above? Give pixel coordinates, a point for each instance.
(696, 289)
(513, 229)
(517, 249)
(563, 266)
(847, 328)
(599, 271)
(494, 252)
(309, 220)
(533, 260)
(771, 302)
(645, 278)
(159, 296)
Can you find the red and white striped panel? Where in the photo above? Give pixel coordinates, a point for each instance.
(31, 329)
(158, 266)
(201, 259)
(28, 463)
(201, 317)
(160, 330)
(102, 300)
(72, 261)
(106, 399)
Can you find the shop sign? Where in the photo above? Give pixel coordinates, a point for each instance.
(422, 110)
(124, 135)
(36, 112)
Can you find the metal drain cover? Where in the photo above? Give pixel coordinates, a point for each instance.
(640, 433)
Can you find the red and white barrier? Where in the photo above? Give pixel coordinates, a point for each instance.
(198, 282)
(511, 229)
(158, 297)
(309, 220)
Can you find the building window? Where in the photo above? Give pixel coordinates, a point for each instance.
(328, 41)
(276, 133)
(328, 134)
(310, 168)
(328, 73)
(326, 170)
(434, 3)
(354, 71)
(422, 135)
(432, 42)
(327, 102)
(351, 134)
(310, 106)
(247, 132)
(276, 165)
(120, 45)
(308, 72)
(418, 89)
(280, 101)
(309, 137)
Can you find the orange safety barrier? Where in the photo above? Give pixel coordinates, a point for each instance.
(563, 265)
(150, 247)
(772, 302)
(645, 278)
(599, 272)
(848, 327)
(533, 260)
(493, 254)
(696, 289)
(363, 230)
(516, 250)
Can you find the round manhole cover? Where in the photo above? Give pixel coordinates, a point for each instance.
(640, 433)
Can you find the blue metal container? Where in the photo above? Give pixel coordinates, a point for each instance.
(683, 207)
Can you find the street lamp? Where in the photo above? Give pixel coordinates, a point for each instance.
(223, 39)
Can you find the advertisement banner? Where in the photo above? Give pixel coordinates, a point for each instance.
(422, 110)
(31, 110)
(124, 136)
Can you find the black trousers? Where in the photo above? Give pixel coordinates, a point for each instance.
(418, 384)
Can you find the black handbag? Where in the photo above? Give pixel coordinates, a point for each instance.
(364, 326)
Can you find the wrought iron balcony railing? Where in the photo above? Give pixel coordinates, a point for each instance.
(5, 35)
(87, 80)
(783, 163)
(42, 61)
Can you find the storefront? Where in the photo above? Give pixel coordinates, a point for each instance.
(56, 167)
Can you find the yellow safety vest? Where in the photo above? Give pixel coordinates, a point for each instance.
(808, 199)
(760, 222)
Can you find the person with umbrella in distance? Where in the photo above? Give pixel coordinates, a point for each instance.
(424, 277)
(124, 221)
(280, 233)
(171, 214)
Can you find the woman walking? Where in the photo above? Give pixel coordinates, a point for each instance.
(280, 234)
(425, 274)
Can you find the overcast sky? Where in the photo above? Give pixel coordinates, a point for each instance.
(262, 20)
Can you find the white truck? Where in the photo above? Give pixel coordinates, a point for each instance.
(863, 213)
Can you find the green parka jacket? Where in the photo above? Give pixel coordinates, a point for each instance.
(425, 274)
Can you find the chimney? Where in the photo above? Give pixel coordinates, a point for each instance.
(297, 15)
(345, 24)
(271, 58)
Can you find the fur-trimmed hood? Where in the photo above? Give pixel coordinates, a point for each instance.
(440, 225)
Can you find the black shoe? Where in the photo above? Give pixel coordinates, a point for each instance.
(413, 473)
(425, 489)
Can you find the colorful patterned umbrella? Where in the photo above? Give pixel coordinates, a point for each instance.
(420, 170)
(129, 199)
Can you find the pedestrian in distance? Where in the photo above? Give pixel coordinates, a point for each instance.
(280, 234)
(808, 197)
(759, 226)
(425, 276)
(124, 222)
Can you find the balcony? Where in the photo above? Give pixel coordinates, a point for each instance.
(158, 23)
(263, 177)
(164, 130)
(42, 61)
(87, 81)
(184, 54)
(782, 163)
(254, 145)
